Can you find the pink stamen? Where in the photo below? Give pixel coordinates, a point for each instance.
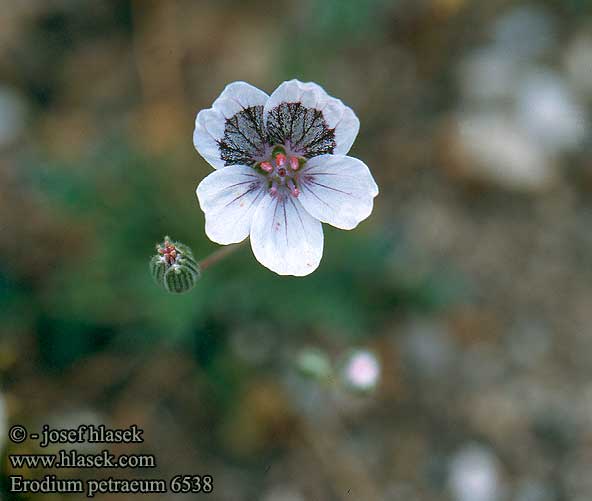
(266, 166)
(273, 190)
(294, 163)
(280, 159)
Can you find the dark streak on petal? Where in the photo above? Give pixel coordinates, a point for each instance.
(330, 187)
(253, 187)
(285, 222)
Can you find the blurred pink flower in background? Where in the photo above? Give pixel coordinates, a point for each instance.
(362, 370)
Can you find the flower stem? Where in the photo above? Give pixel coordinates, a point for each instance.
(218, 255)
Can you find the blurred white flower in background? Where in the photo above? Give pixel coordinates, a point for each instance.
(13, 111)
(474, 475)
(361, 370)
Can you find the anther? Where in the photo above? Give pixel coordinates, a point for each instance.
(280, 159)
(294, 163)
(266, 166)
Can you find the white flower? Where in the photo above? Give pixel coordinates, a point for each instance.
(282, 170)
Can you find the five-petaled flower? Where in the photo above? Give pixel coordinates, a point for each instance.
(281, 171)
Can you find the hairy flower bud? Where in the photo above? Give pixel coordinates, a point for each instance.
(173, 267)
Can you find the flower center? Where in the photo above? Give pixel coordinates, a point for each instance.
(282, 172)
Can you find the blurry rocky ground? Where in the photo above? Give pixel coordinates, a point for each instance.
(470, 283)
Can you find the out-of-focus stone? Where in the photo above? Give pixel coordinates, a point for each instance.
(492, 149)
(474, 475)
(549, 112)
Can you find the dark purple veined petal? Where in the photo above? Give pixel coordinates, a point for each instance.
(232, 131)
(309, 121)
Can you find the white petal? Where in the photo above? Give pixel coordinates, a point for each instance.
(338, 190)
(229, 198)
(210, 124)
(337, 115)
(285, 238)
(209, 129)
(239, 95)
(343, 119)
(309, 94)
